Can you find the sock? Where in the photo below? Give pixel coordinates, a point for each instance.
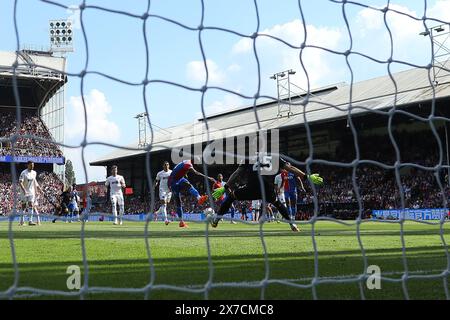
(114, 212)
(22, 216)
(180, 212)
(121, 211)
(194, 192)
(164, 210)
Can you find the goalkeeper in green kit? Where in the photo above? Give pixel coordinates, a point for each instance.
(244, 184)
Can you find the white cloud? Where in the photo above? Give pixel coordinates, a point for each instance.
(292, 33)
(99, 128)
(196, 72)
(228, 102)
(90, 154)
(276, 56)
(408, 45)
(234, 68)
(441, 11)
(402, 26)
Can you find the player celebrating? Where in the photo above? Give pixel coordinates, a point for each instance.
(28, 185)
(162, 179)
(244, 184)
(116, 183)
(177, 182)
(219, 184)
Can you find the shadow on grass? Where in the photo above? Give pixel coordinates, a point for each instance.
(215, 233)
(244, 269)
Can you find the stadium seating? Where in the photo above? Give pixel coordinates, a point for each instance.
(377, 187)
(31, 124)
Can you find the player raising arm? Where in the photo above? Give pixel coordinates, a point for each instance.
(244, 184)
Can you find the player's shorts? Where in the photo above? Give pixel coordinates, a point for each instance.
(176, 185)
(291, 196)
(165, 196)
(72, 207)
(117, 199)
(25, 199)
(281, 198)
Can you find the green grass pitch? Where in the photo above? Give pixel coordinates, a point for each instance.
(117, 257)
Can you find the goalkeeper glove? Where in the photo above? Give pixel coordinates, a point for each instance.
(316, 179)
(218, 193)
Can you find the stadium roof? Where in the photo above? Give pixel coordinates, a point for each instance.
(324, 104)
(39, 75)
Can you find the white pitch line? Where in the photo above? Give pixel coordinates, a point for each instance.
(308, 279)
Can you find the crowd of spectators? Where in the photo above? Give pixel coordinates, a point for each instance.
(371, 186)
(31, 125)
(347, 188)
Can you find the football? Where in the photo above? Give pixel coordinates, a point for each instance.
(209, 212)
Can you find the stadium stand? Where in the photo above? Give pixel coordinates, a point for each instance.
(31, 125)
(377, 186)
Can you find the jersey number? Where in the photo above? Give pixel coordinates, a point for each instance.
(265, 164)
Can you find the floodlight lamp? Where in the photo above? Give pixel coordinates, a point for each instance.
(282, 74)
(439, 29)
(291, 72)
(424, 33)
(273, 77)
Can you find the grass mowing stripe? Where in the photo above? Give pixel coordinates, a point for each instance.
(118, 264)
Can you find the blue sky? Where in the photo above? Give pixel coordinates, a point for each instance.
(116, 48)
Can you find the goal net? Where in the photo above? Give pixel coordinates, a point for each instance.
(352, 91)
